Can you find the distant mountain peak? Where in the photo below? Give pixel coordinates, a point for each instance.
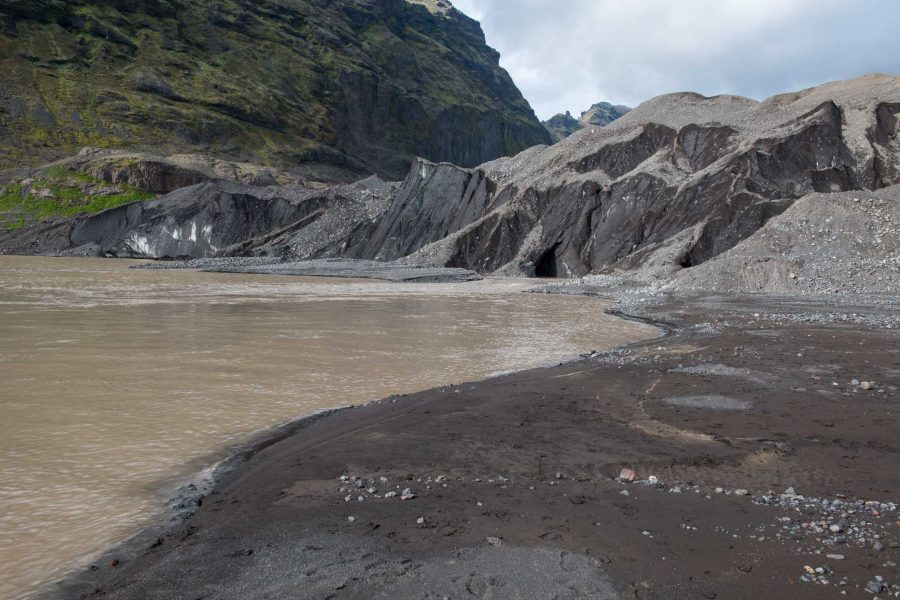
(562, 125)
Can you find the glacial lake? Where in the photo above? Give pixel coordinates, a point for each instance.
(117, 385)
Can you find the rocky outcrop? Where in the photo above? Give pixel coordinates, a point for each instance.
(337, 90)
(562, 125)
(96, 180)
(161, 175)
(601, 114)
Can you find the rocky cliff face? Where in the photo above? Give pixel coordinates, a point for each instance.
(562, 126)
(679, 181)
(342, 88)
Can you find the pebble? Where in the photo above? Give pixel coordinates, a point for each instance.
(351, 519)
(420, 521)
(493, 541)
(835, 556)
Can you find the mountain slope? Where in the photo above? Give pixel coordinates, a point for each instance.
(344, 86)
(677, 182)
(601, 114)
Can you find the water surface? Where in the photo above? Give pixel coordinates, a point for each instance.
(116, 383)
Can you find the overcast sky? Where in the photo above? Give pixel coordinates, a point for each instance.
(568, 54)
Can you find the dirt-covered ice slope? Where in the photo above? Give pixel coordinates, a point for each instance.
(674, 183)
(824, 243)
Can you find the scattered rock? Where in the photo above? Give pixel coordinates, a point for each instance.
(627, 475)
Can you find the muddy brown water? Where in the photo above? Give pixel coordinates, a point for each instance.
(117, 385)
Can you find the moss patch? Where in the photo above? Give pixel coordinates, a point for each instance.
(61, 193)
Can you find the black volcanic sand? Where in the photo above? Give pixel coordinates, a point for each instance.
(530, 507)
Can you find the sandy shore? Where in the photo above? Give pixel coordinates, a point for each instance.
(512, 490)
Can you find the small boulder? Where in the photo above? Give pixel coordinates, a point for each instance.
(627, 475)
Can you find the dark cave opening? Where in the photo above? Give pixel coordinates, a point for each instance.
(546, 264)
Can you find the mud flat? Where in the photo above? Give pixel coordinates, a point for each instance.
(364, 269)
(326, 267)
(761, 436)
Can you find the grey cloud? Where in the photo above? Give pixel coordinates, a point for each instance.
(568, 54)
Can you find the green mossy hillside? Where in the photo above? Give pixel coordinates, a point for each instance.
(361, 85)
(58, 192)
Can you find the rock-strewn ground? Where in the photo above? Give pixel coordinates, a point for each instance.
(759, 443)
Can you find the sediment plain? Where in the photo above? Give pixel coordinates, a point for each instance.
(749, 451)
